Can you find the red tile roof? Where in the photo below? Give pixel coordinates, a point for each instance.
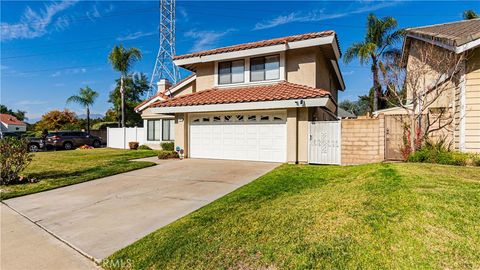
(10, 120)
(270, 92)
(257, 44)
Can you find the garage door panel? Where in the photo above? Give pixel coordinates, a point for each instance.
(241, 139)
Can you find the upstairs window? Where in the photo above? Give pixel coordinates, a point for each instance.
(265, 68)
(231, 72)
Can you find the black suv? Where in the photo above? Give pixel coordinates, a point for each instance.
(71, 139)
(34, 144)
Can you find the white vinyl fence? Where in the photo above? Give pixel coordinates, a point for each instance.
(120, 137)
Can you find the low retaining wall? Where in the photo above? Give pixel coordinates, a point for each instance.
(363, 140)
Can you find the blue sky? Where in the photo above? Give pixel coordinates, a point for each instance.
(51, 49)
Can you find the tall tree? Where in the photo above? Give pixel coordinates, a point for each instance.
(58, 120)
(382, 35)
(470, 14)
(122, 60)
(85, 98)
(136, 86)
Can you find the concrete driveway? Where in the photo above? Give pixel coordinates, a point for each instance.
(100, 217)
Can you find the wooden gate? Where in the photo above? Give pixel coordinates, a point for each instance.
(324, 145)
(394, 136)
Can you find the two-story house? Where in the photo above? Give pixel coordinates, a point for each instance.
(251, 101)
(462, 94)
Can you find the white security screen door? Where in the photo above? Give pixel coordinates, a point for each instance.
(324, 142)
(255, 136)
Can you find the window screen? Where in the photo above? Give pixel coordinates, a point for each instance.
(265, 68)
(153, 132)
(231, 72)
(166, 135)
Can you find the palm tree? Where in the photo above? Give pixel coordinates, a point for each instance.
(470, 14)
(378, 44)
(85, 98)
(122, 60)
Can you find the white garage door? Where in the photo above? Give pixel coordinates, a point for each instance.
(255, 136)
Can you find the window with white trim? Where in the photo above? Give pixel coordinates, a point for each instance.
(166, 134)
(153, 132)
(231, 72)
(265, 68)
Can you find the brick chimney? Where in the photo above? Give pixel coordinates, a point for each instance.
(163, 85)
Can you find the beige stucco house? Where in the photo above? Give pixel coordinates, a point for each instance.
(251, 101)
(463, 96)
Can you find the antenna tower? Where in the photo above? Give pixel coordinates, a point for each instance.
(164, 66)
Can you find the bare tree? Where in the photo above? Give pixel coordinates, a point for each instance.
(425, 89)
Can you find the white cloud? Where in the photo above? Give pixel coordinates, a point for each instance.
(34, 24)
(183, 14)
(317, 15)
(69, 72)
(136, 35)
(93, 13)
(204, 40)
(348, 73)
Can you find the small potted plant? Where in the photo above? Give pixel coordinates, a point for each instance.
(133, 145)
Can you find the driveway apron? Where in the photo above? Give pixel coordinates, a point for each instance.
(102, 216)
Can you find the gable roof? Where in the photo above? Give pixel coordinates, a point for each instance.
(270, 92)
(342, 113)
(10, 120)
(258, 44)
(452, 35)
(165, 94)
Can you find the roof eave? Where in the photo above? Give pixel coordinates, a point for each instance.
(331, 39)
(324, 101)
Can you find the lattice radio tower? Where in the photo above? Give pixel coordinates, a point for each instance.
(164, 66)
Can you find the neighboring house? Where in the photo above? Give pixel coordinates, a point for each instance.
(344, 114)
(463, 100)
(11, 123)
(251, 101)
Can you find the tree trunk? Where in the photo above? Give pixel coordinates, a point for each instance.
(376, 83)
(88, 121)
(413, 133)
(122, 97)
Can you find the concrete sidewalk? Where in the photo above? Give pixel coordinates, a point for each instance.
(24, 246)
(102, 216)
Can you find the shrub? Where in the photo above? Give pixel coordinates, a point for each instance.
(163, 154)
(144, 147)
(439, 153)
(476, 160)
(452, 158)
(133, 145)
(167, 146)
(14, 158)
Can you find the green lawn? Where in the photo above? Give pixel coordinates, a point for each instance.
(379, 216)
(61, 168)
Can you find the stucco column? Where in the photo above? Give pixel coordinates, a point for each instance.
(292, 135)
(302, 133)
(181, 132)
